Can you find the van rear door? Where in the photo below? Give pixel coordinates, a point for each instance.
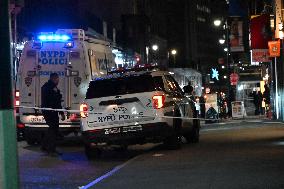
(52, 60)
(35, 68)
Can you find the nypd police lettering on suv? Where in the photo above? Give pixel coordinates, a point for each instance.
(135, 108)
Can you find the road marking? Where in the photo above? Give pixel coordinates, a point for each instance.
(108, 174)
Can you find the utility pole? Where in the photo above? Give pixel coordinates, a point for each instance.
(8, 145)
(229, 97)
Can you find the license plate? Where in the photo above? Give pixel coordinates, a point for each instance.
(36, 120)
(125, 129)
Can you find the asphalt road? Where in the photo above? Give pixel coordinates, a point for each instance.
(232, 155)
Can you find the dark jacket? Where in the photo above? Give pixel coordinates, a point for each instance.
(50, 96)
(266, 95)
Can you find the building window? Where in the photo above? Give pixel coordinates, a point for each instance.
(200, 19)
(203, 8)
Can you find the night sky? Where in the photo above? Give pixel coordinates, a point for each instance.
(49, 15)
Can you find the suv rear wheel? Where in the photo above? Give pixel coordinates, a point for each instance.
(173, 142)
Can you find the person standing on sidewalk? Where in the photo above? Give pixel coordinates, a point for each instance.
(51, 98)
(266, 98)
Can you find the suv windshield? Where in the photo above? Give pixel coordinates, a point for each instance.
(124, 85)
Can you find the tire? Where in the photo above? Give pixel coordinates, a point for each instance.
(173, 142)
(92, 152)
(193, 135)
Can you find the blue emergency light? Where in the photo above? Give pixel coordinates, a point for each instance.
(54, 37)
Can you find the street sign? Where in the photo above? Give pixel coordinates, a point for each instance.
(234, 78)
(274, 48)
(212, 101)
(236, 35)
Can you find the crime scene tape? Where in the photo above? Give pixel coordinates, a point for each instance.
(102, 113)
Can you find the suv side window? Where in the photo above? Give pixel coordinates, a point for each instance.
(173, 85)
(159, 83)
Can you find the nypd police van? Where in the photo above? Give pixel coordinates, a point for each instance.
(76, 57)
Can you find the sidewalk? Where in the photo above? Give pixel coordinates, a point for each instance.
(247, 119)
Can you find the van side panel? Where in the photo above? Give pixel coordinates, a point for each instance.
(27, 79)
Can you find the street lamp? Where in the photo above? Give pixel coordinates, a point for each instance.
(222, 41)
(155, 47)
(174, 52)
(217, 22)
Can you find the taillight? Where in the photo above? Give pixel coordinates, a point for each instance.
(17, 94)
(17, 102)
(158, 101)
(74, 117)
(83, 110)
(17, 98)
(20, 125)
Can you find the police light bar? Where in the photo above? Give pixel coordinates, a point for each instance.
(54, 37)
(135, 69)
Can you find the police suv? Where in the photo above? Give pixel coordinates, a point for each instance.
(135, 108)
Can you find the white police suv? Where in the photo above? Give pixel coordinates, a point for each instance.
(135, 108)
